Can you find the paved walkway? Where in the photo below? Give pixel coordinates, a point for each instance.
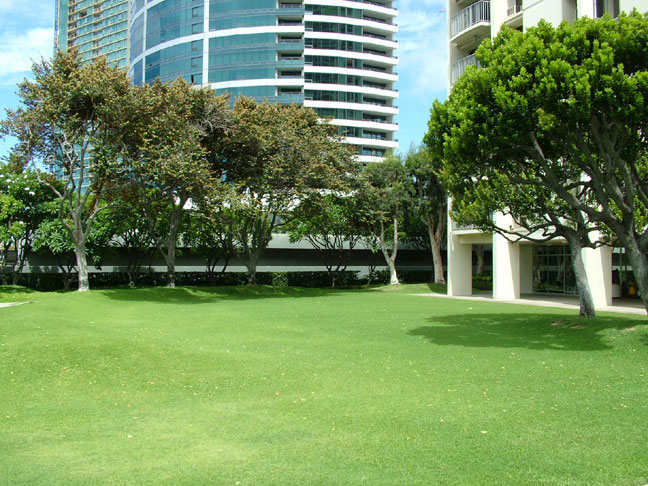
(9, 304)
(623, 306)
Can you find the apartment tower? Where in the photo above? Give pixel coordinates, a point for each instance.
(94, 27)
(335, 56)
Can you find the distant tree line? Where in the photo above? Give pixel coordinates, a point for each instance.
(167, 165)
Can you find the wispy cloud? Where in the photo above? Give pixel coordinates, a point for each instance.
(422, 45)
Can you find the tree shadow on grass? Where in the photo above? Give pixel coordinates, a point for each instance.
(531, 331)
(207, 295)
(15, 290)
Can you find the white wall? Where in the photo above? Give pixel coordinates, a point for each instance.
(551, 10)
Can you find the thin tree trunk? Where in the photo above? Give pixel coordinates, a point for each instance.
(437, 258)
(584, 293)
(170, 259)
(251, 265)
(82, 266)
(390, 258)
(479, 252)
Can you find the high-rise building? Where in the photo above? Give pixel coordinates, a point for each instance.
(335, 56)
(95, 28)
(521, 268)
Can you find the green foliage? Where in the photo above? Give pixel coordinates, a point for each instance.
(384, 200)
(23, 206)
(429, 204)
(280, 279)
(171, 159)
(274, 157)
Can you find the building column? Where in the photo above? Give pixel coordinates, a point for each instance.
(506, 263)
(598, 266)
(459, 262)
(526, 269)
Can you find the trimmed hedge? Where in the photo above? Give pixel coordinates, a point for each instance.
(47, 282)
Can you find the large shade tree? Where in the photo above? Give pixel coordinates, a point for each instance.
(561, 114)
(169, 158)
(72, 120)
(274, 157)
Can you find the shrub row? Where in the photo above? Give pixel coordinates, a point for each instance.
(317, 279)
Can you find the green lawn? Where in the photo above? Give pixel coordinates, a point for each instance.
(306, 387)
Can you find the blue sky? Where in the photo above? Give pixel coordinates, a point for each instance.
(27, 33)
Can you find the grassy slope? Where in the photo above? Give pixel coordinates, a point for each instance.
(264, 386)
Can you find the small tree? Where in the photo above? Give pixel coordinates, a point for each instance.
(23, 206)
(127, 230)
(386, 197)
(429, 202)
(52, 238)
(207, 234)
(331, 224)
(73, 120)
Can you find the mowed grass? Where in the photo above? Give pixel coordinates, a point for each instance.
(256, 386)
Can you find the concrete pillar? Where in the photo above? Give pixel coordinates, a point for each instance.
(459, 262)
(598, 266)
(526, 269)
(506, 263)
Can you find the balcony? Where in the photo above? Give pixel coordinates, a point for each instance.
(460, 66)
(471, 24)
(514, 14)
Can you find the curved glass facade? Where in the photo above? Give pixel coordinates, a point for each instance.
(336, 59)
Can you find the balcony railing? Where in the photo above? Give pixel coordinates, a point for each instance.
(515, 8)
(460, 66)
(469, 16)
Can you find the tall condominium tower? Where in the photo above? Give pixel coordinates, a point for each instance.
(94, 27)
(335, 56)
(520, 268)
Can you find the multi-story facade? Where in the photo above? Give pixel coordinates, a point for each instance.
(335, 56)
(522, 267)
(95, 28)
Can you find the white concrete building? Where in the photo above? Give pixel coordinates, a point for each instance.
(522, 267)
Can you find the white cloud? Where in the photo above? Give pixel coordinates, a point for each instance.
(422, 45)
(18, 52)
(27, 33)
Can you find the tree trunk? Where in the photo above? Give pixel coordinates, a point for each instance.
(251, 273)
(251, 265)
(437, 258)
(393, 276)
(390, 258)
(82, 265)
(578, 265)
(170, 260)
(639, 265)
(479, 253)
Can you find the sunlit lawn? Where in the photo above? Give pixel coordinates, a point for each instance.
(300, 387)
